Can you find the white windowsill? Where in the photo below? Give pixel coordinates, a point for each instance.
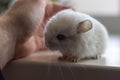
(105, 68)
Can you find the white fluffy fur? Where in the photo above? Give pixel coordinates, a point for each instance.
(89, 44)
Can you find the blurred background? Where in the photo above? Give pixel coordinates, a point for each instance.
(106, 11)
(4, 4)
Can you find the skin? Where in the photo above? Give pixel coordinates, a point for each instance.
(35, 42)
(17, 25)
(21, 34)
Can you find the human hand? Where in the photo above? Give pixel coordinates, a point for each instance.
(36, 42)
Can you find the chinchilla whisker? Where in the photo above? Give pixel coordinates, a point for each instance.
(48, 71)
(61, 72)
(72, 73)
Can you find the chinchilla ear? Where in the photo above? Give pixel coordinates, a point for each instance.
(84, 26)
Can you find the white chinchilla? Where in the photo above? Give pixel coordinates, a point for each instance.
(76, 35)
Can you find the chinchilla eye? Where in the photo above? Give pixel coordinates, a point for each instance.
(60, 37)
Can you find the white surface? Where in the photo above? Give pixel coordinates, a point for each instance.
(105, 68)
